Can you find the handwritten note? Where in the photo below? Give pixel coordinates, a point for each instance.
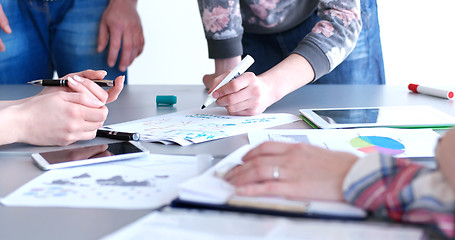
(196, 126)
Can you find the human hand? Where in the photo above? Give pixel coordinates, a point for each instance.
(4, 25)
(221, 67)
(87, 86)
(121, 25)
(304, 172)
(445, 155)
(58, 118)
(245, 95)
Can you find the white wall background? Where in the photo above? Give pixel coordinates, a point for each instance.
(417, 38)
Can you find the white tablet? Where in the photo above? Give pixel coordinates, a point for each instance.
(398, 116)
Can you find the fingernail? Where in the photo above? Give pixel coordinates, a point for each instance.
(71, 80)
(8, 29)
(98, 103)
(77, 78)
(104, 72)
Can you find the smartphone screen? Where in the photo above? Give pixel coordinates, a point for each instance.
(88, 155)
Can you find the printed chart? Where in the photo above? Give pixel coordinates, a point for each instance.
(142, 183)
(196, 126)
(402, 143)
(386, 145)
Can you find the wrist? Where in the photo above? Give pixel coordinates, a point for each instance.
(223, 65)
(12, 125)
(288, 75)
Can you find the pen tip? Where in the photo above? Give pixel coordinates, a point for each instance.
(203, 106)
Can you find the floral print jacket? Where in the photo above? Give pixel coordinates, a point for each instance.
(329, 43)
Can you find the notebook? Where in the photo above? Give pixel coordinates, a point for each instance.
(210, 191)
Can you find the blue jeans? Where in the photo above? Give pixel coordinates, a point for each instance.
(363, 66)
(50, 36)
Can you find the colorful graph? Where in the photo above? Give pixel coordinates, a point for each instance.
(368, 144)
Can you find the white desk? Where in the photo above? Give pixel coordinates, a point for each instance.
(138, 101)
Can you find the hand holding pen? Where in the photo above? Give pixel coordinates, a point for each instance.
(236, 72)
(89, 78)
(63, 115)
(61, 82)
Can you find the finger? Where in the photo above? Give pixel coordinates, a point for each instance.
(114, 47)
(268, 188)
(4, 24)
(127, 48)
(92, 88)
(82, 111)
(233, 86)
(141, 43)
(87, 100)
(236, 101)
(103, 37)
(253, 173)
(2, 46)
(91, 74)
(217, 80)
(114, 91)
(267, 148)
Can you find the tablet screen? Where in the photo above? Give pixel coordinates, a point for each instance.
(416, 116)
(349, 116)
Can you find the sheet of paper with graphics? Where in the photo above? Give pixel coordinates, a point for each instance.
(197, 125)
(144, 183)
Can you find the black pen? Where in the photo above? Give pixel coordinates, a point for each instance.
(64, 82)
(118, 135)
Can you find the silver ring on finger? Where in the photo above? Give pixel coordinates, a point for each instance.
(276, 172)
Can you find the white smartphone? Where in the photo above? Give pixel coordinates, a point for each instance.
(88, 155)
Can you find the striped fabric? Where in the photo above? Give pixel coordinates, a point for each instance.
(401, 190)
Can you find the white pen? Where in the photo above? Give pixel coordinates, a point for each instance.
(237, 71)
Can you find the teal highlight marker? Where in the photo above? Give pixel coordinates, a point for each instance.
(166, 100)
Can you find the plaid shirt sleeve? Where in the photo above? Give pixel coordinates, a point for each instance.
(401, 190)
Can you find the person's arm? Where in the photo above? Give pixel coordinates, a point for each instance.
(333, 38)
(402, 191)
(120, 26)
(445, 155)
(329, 43)
(222, 22)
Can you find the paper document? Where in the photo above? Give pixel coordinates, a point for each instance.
(400, 143)
(147, 182)
(204, 225)
(196, 126)
(209, 188)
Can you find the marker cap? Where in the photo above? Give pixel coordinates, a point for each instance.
(166, 100)
(413, 87)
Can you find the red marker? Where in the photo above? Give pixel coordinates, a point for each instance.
(442, 93)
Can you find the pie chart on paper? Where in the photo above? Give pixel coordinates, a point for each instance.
(385, 145)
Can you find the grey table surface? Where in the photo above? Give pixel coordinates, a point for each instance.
(138, 101)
